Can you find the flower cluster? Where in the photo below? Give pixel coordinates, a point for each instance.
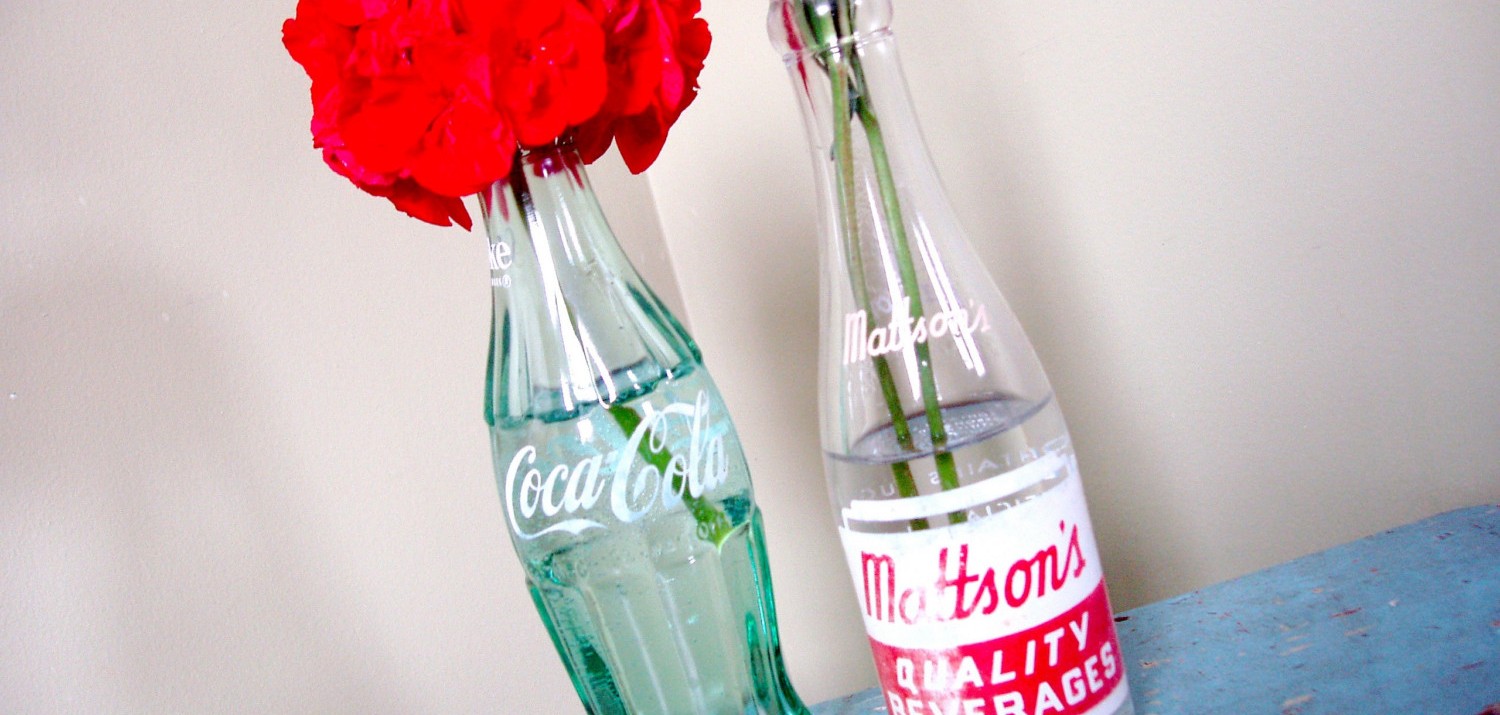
(424, 102)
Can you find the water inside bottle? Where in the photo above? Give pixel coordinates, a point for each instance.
(988, 439)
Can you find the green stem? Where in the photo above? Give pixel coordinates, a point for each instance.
(833, 34)
(843, 19)
(906, 484)
(714, 525)
(891, 207)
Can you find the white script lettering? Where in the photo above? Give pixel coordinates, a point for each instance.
(636, 486)
(862, 342)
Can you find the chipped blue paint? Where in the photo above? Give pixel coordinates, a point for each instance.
(1406, 621)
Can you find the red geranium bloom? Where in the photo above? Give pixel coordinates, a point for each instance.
(389, 83)
(656, 50)
(423, 102)
(549, 71)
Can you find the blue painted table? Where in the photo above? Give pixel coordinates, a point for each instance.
(1403, 622)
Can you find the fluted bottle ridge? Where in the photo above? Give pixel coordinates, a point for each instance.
(622, 481)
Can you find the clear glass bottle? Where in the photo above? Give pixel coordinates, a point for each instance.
(959, 501)
(622, 480)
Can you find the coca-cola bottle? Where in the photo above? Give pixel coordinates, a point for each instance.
(626, 494)
(958, 496)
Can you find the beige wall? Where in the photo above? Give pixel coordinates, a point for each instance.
(242, 465)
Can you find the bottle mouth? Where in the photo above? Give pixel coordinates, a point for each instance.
(803, 27)
(555, 158)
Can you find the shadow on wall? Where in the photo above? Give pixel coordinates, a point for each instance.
(153, 560)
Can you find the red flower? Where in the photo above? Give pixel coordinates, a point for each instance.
(655, 51)
(350, 13)
(391, 79)
(549, 71)
(423, 102)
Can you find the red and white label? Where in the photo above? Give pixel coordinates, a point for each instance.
(1001, 615)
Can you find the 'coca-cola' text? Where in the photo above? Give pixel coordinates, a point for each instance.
(567, 497)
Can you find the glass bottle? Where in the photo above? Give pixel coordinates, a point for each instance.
(958, 497)
(622, 480)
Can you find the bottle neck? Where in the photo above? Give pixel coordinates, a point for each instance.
(815, 26)
(574, 323)
(891, 238)
(914, 328)
(546, 209)
(841, 55)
